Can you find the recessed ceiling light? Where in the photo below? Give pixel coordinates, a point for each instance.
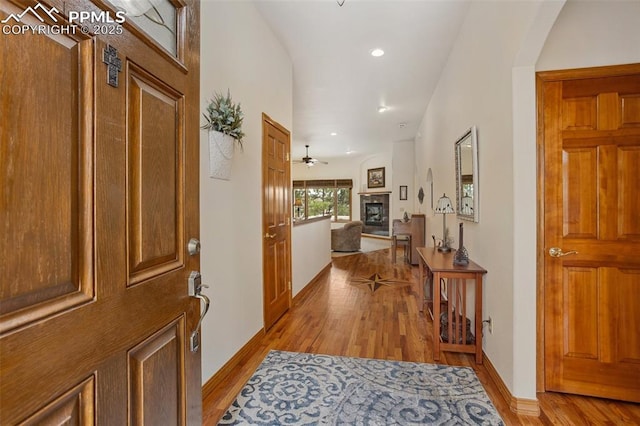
(334, 134)
(377, 52)
(382, 108)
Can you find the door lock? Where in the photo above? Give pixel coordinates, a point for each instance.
(193, 246)
(195, 284)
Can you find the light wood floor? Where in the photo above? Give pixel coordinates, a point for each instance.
(339, 317)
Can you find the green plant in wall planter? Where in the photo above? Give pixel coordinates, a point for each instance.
(224, 123)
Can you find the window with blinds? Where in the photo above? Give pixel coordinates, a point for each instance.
(322, 198)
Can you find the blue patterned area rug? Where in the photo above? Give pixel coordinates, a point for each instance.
(291, 388)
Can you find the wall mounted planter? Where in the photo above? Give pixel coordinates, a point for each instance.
(221, 148)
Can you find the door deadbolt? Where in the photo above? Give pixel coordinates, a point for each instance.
(193, 246)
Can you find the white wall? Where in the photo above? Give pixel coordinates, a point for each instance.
(402, 173)
(338, 168)
(489, 81)
(525, 200)
(475, 89)
(593, 33)
(238, 52)
(382, 159)
(311, 244)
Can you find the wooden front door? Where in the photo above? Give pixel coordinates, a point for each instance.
(99, 196)
(590, 129)
(276, 219)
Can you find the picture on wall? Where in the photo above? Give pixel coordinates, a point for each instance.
(403, 192)
(375, 178)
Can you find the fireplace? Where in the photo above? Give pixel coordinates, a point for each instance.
(374, 213)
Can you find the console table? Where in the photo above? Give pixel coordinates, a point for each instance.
(447, 301)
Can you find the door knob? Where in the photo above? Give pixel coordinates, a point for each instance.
(557, 252)
(268, 235)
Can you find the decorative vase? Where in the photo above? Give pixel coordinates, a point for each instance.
(220, 155)
(461, 257)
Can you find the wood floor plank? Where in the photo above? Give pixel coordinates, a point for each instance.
(339, 316)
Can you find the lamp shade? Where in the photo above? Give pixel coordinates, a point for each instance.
(444, 205)
(467, 204)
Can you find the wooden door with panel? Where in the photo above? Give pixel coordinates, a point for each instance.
(276, 219)
(591, 129)
(99, 198)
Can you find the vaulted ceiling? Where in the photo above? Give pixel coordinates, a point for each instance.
(338, 86)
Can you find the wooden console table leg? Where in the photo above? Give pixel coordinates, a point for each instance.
(422, 277)
(394, 247)
(478, 318)
(435, 290)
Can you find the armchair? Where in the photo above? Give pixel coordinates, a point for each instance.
(348, 237)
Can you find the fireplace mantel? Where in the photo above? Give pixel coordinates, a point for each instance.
(374, 193)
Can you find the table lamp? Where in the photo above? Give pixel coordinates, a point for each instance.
(298, 206)
(444, 207)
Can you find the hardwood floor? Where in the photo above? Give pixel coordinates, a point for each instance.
(337, 316)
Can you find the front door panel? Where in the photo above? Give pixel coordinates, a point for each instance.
(46, 238)
(155, 121)
(99, 194)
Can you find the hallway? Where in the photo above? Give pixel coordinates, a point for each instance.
(338, 316)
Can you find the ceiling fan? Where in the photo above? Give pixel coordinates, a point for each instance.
(308, 160)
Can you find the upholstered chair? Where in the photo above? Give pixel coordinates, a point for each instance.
(348, 237)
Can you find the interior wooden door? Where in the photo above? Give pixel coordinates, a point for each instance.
(276, 214)
(590, 125)
(99, 198)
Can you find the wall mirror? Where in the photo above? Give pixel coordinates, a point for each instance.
(467, 189)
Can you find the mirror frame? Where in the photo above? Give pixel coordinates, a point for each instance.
(472, 135)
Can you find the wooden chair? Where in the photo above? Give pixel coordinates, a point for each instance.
(414, 230)
(401, 240)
